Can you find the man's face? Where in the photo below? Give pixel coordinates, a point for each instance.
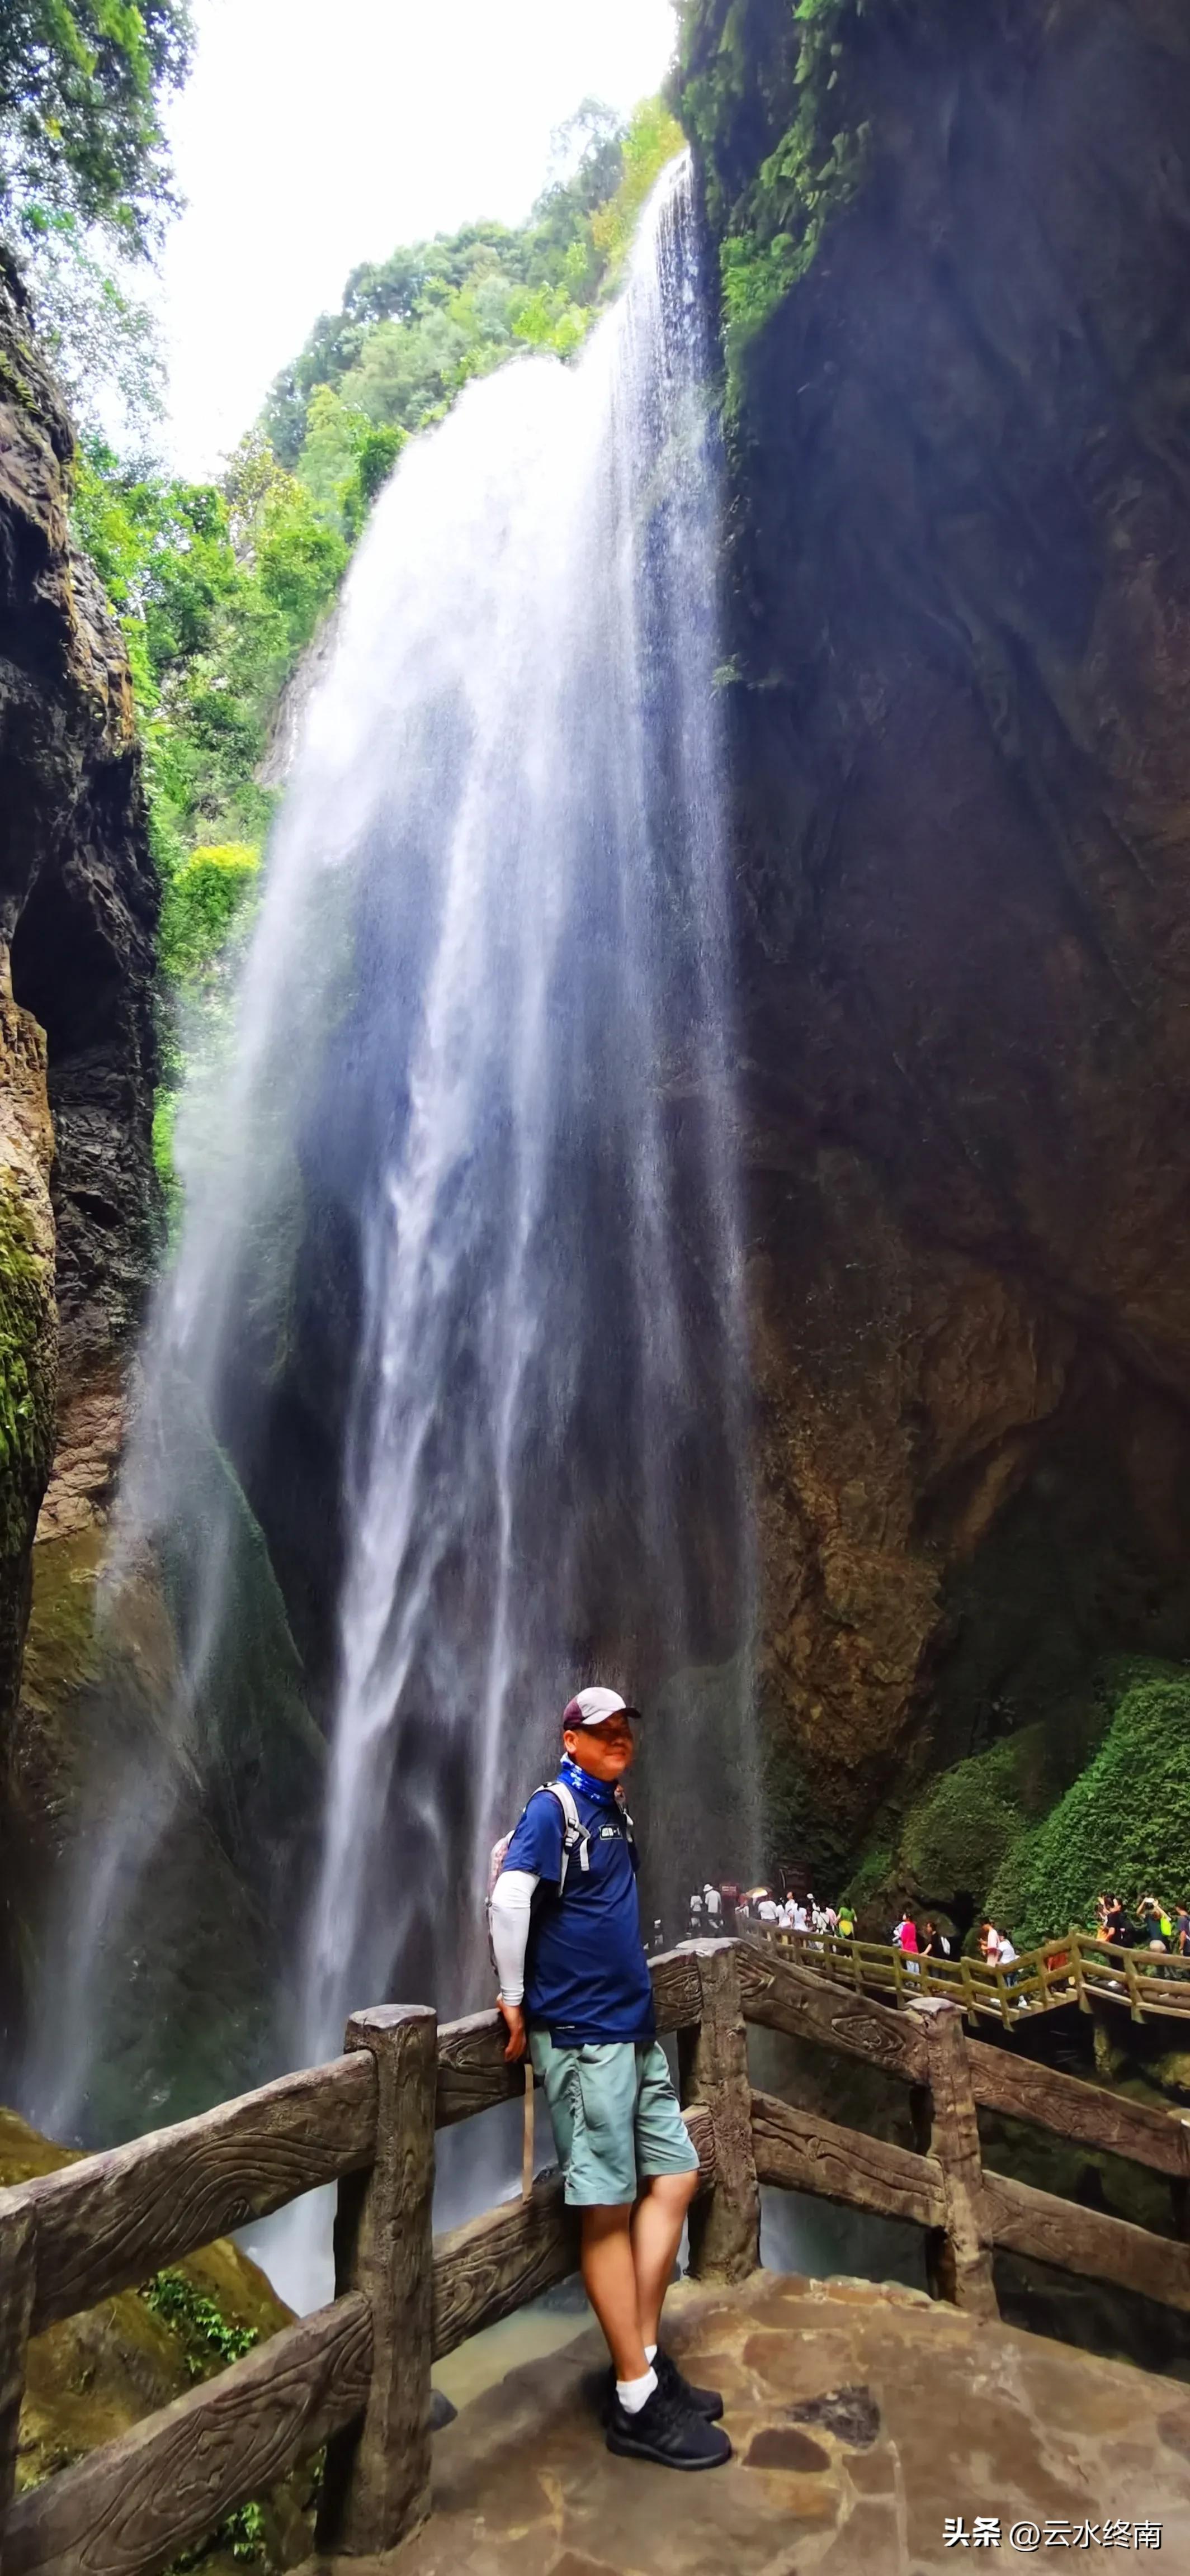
(604, 1751)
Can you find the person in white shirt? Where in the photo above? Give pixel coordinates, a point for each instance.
(769, 1910)
(713, 1905)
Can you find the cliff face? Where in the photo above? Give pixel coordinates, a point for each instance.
(959, 600)
(78, 911)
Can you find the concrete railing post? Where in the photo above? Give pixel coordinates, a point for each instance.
(713, 2058)
(16, 2309)
(377, 2486)
(959, 2258)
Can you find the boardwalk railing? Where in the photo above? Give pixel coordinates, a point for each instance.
(1074, 1968)
(356, 2376)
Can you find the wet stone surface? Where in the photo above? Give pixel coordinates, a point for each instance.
(860, 2423)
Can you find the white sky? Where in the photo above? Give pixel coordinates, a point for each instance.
(310, 137)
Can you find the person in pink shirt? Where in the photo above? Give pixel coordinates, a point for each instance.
(905, 1937)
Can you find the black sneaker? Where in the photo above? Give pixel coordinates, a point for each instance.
(667, 2432)
(706, 2402)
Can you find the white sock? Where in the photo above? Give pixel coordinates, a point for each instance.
(650, 2354)
(635, 2393)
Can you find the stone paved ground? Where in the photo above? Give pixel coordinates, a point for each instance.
(861, 2418)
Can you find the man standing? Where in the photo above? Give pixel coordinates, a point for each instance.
(575, 1990)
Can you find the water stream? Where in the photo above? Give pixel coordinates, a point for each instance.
(480, 1095)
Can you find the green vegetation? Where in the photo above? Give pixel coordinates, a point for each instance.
(957, 1834)
(208, 2340)
(870, 1876)
(221, 586)
(1094, 1795)
(85, 180)
(27, 1372)
(81, 89)
(413, 330)
(1123, 1824)
(208, 2343)
(776, 181)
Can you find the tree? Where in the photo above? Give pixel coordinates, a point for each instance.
(81, 88)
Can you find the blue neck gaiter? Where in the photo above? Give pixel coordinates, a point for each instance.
(603, 1792)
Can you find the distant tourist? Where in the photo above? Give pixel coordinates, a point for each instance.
(768, 1909)
(712, 1907)
(1183, 1929)
(695, 1915)
(905, 1936)
(846, 1922)
(989, 1944)
(935, 1945)
(575, 1990)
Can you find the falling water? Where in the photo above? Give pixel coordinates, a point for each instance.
(479, 1102)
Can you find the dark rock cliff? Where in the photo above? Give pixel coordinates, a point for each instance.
(78, 913)
(959, 609)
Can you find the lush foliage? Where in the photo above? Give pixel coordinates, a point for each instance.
(221, 586)
(203, 899)
(776, 180)
(85, 183)
(413, 330)
(208, 2340)
(956, 1835)
(1124, 1824)
(81, 87)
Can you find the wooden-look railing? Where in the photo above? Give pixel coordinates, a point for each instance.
(356, 2375)
(1075, 1968)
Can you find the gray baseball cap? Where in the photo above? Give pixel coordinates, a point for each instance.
(594, 1707)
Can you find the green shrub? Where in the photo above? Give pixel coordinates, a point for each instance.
(874, 1872)
(1124, 1824)
(208, 2340)
(958, 1832)
(202, 900)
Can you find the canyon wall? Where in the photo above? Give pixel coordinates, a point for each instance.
(953, 246)
(78, 1203)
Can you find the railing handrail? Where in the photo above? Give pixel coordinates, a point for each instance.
(356, 2375)
(1150, 1982)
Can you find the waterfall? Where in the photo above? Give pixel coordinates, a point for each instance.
(466, 1190)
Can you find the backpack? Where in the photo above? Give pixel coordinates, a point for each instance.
(575, 1836)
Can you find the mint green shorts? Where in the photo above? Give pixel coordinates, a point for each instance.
(615, 2115)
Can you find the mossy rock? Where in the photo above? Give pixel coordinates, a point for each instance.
(28, 1372)
(93, 2377)
(1170, 2072)
(173, 2010)
(1123, 1824)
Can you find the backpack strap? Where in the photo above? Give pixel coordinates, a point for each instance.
(574, 1831)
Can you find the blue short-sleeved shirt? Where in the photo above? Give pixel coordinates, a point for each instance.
(586, 1974)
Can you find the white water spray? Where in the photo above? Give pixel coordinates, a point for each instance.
(484, 1044)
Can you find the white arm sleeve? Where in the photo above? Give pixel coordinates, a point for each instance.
(512, 1897)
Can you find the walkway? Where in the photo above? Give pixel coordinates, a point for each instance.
(1072, 1969)
(861, 2417)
